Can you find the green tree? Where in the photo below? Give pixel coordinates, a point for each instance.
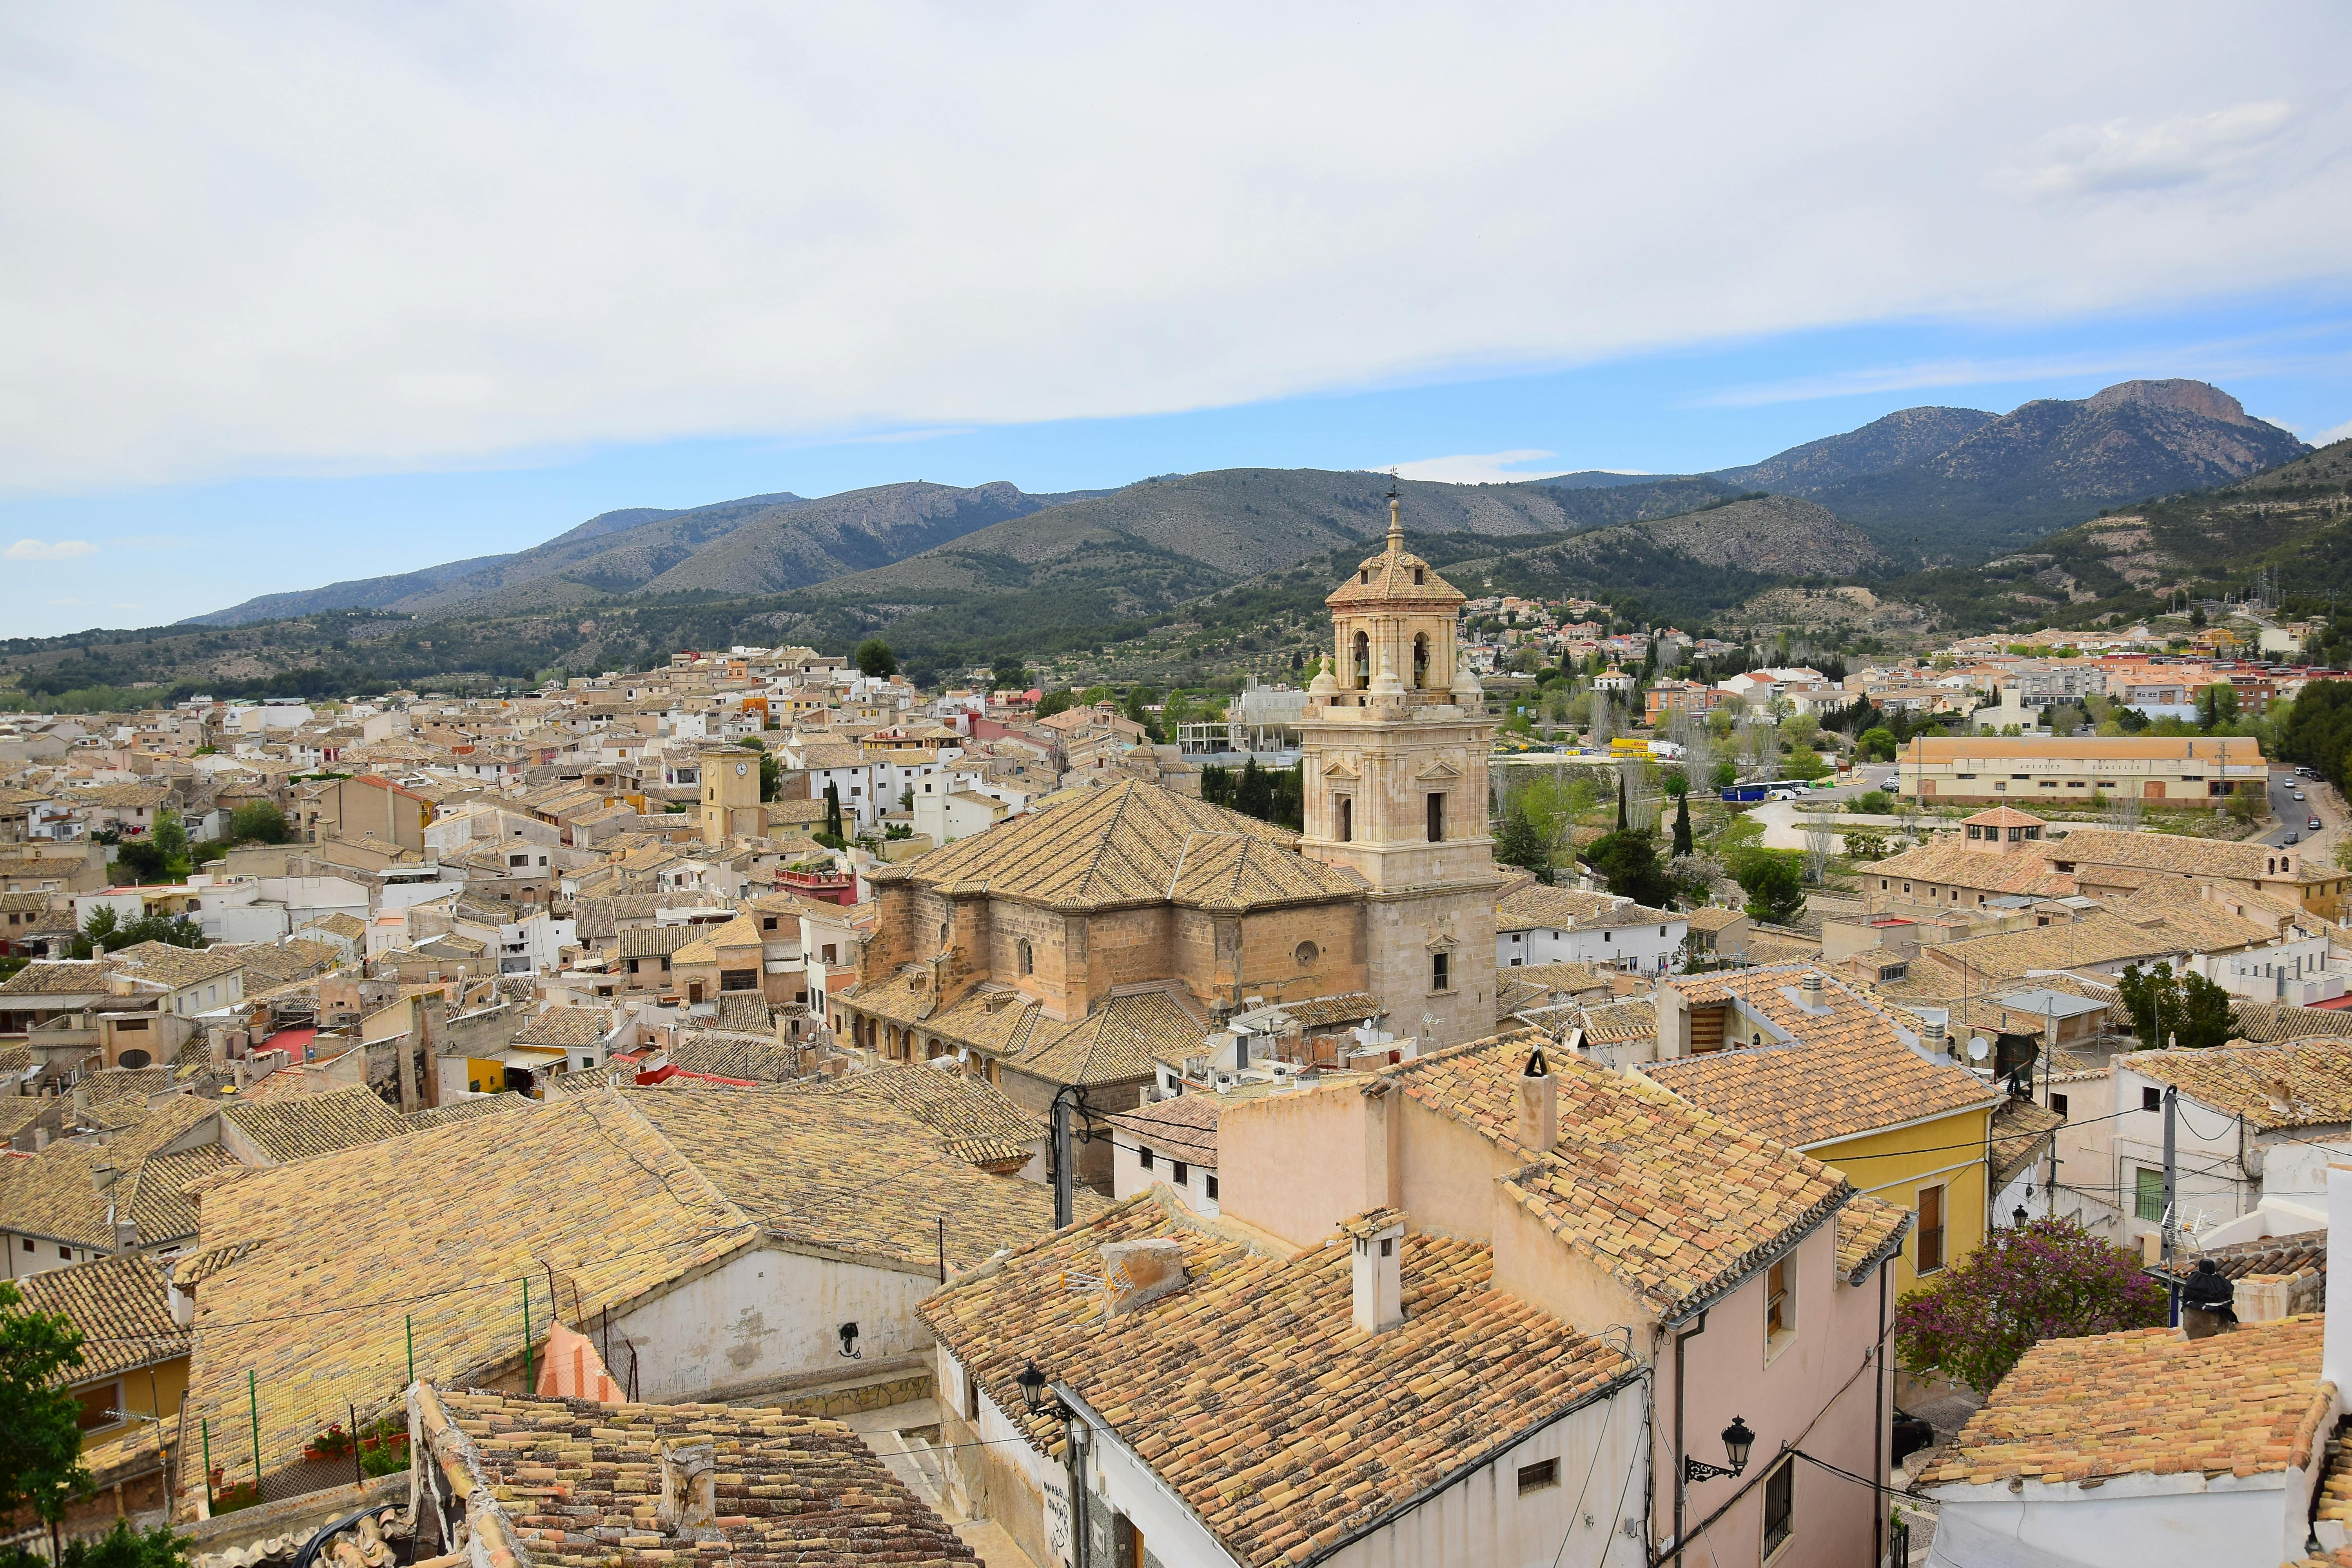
(833, 815)
(1217, 783)
(259, 822)
(2049, 1280)
(1518, 843)
(771, 774)
(1253, 792)
(1620, 803)
(1804, 762)
(170, 837)
(1683, 841)
(2185, 1009)
(1774, 882)
(121, 1547)
(40, 1430)
(2318, 730)
(138, 861)
(1138, 710)
(1877, 744)
(874, 658)
(1055, 702)
(1874, 803)
(1628, 862)
(1008, 675)
(1290, 797)
(1726, 775)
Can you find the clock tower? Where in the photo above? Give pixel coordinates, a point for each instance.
(1395, 744)
(731, 794)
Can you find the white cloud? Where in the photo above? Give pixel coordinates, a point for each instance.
(2124, 154)
(42, 550)
(237, 239)
(1478, 468)
(2323, 437)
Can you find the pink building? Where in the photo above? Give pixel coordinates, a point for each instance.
(1752, 1277)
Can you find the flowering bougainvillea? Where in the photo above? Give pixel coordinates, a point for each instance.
(2053, 1279)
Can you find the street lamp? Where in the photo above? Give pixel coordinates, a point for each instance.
(2019, 1216)
(1737, 1441)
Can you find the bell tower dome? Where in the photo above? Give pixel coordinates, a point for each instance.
(1395, 740)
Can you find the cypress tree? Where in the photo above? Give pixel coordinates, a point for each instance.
(1620, 803)
(1682, 824)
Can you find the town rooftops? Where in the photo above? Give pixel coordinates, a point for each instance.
(1129, 843)
(119, 1304)
(1678, 1204)
(2304, 1083)
(298, 1126)
(1184, 1128)
(1842, 1072)
(975, 1122)
(566, 1028)
(847, 1173)
(1342, 1427)
(1573, 909)
(1870, 1230)
(2147, 1402)
(564, 1481)
(59, 977)
(2002, 816)
(2237, 751)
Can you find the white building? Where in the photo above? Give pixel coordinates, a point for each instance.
(2296, 973)
(1554, 925)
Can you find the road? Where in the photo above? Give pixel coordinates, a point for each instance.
(2294, 815)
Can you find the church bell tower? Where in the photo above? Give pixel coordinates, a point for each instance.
(1395, 744)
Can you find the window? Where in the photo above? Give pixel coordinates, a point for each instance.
(828, 954)
(2148, 1194)
(971, 1396)
(1347, 819)
(1931, 1255)
(1440, 977)
(1212, 1180)
(1780, 1506)
(96, 1403)
(1437, 819)
(1180, 1174)
(1143, 1156)
(1779, 1304)
(768, 922)
(1307, 953)
(1363, 661)
(1420, 654)
(2151, 1099)
(1535, 1478)
(739, 980)
(28, 1244)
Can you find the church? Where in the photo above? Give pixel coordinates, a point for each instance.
(1085, 942)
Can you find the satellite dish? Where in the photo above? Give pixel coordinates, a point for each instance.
(1979, 1049)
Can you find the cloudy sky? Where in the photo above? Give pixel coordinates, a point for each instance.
(294, 294)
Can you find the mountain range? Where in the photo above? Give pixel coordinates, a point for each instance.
(1927, 485)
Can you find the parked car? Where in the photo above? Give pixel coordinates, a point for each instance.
(1911, 1435)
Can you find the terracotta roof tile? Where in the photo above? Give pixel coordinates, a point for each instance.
(2148, 1402)
(121, 1307)
(1281, 1426)
(1678, 1204)
(2307, 1083)
(573, 1483)
(297, 1127)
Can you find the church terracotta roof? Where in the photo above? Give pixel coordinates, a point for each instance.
(1130, 843)
(1396, 577)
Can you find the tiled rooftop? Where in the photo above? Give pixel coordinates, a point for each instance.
(294, 1271)
(1678, 1204)
(2021, 1131)
(297, 1127)
(847, 1172)
(2148, 1402)
(2307, 1083)
(1124, 1038)
(1847, 1073)
(1251, 1394)
(576, 1484)
(568, 1028)
(1131, 843)
(120, 1306)
(1184, 1128)
(1869, 1230)
(469, 1109)
(975, 1122)
(1571, 908)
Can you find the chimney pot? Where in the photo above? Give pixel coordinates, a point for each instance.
(1538, 1122)
(1814, 988)
(1378, 1296)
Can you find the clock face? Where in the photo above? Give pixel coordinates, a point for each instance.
(743, 768)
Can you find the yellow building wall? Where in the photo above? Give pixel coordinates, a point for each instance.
(1894, 1165)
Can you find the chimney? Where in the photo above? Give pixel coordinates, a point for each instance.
(1538, 1126)
(183, 1304)
(40, 1139)
(2335, 1344)
(688, 1485)
(1934, 1039)
(1380, 1261)
(1814, 990)
(81, 1099)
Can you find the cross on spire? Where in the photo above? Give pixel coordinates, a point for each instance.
(1396, 517)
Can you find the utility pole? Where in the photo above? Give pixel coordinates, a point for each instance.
(2171, 1193)
(1064, 1199)
(2048, 1082)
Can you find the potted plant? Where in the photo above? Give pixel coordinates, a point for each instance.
(332, 1442)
